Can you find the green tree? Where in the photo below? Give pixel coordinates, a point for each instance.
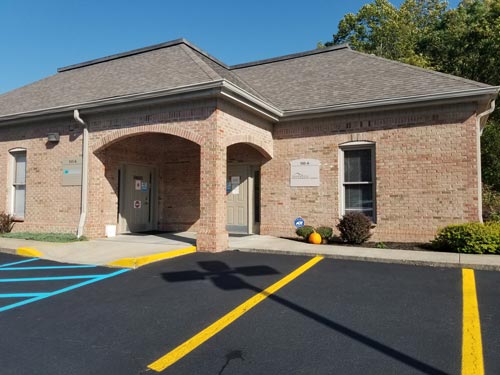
(464, 41)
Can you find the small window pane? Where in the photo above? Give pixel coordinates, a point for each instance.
(358, 197)
(20, 165)
(358, 165)
(19, 199)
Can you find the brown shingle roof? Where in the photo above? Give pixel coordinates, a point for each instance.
(307, 80)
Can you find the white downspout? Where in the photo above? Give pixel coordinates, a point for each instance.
(479, 131)
(85, 175)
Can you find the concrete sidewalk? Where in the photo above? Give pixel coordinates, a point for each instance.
(109, 250)
(269, 244)
(106, 250)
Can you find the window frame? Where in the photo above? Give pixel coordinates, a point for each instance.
(352, 146)
(13, 184)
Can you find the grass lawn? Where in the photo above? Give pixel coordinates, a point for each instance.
(44, 237)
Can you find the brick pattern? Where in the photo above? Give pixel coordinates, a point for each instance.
(426, 167)
(426, 171)
(50, 207)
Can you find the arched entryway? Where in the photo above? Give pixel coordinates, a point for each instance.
(152, 183)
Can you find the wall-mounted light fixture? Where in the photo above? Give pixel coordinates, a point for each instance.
(53, 137)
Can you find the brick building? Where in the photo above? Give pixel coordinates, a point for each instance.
(169, 138)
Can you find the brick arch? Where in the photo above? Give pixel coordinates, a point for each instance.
(120, 134)
(264, 148)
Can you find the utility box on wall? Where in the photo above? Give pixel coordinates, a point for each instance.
(72, 171)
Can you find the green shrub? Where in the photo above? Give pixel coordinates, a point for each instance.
(354, 228)
(471, 238)
(304, 231)
(325, 232)
(491, 204)
(6, 223)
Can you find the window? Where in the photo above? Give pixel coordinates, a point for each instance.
(358, 178)
(18, 183)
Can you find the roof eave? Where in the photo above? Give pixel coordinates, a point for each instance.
(208, 88)
(234, 93)
(471, 94)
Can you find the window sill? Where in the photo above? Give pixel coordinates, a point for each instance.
(17, 219)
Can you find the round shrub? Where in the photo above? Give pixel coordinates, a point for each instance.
(304, 231)
(471, 238)
(325, 232)
(354, 228)
(6, 223)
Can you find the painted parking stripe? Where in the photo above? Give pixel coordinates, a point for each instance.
(22, 295)
(63, 290)
(472, 347)
(191, 344)
(21, 261)
(46, 268)
(48, 278)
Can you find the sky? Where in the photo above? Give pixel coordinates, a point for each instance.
(37, 37)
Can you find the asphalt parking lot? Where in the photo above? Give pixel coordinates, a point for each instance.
(208, 314)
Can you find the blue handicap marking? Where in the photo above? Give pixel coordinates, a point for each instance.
(33, 296)
(299, 222)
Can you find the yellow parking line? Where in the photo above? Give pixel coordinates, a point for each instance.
(29, 252)
(191, 344)
(146, 259)
(472, 347)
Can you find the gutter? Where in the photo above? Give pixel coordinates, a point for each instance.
(85, 178)
(392, 101)
(116, 100)
(230, 90)
(479, 133)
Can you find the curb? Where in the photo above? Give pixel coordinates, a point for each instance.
(28, 252)
(410, 262)
(146, 259)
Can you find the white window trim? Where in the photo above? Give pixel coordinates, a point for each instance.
(12, 190)
(357, 145)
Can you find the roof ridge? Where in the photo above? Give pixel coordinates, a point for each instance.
(212, 74)
(291, 56)
(120, 55)
(426, 70)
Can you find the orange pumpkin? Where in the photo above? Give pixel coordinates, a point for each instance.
(315, 238)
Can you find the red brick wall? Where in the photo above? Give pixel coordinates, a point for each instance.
(50, 207)
(426, 167)
(426, 171)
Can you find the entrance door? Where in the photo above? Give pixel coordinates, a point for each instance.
(136, 208)
(237, 198)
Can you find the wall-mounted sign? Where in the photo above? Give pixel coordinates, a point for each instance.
(138, 184)
(137, 204)
(144, 186)
(235, 185)
(299, 222)
(304, 172)
(72, 171)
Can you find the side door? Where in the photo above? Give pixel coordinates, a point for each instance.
(136, 207)
(237, 198)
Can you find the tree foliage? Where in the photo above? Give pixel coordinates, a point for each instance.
(464, 41)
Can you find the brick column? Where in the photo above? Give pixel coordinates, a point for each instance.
(212, 235)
